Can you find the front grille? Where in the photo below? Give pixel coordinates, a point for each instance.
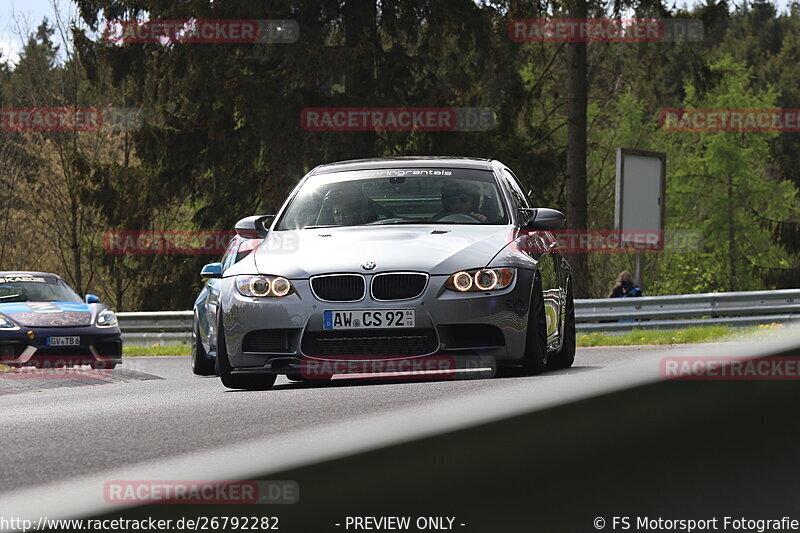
(338, 288)
(373, 343)
(398, 286)
(269, 341)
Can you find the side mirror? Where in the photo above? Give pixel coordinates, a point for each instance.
(211, 270)
(91, 299)
(543, 218)
(252, 227)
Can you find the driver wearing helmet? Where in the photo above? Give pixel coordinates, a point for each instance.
(348, 206)
(460, 198)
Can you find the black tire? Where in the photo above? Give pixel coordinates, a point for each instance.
(566, 355)
(224, 368)
(202, 364)
(535, 359)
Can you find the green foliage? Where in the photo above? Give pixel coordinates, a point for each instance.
(222, 137)
(722, 184)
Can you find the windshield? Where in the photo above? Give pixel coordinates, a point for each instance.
(35, 289)
(396, 196)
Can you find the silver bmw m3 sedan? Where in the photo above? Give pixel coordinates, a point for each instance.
(412, 266)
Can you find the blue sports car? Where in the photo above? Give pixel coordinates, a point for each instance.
(44, 323)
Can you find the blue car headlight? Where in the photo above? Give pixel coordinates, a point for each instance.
(106, 319)
(480, 280)
(6, 324)
(263, 286)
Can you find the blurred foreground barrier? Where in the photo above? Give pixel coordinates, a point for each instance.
(737, 309)
(572, 451)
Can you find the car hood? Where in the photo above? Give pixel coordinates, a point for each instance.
(48, 314)
(436, 249)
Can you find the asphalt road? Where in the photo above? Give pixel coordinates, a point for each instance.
(54, 435)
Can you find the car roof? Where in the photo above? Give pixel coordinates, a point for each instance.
(405, 162)
(4, 273)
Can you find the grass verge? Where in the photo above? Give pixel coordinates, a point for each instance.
(156, 349)
(670, 336)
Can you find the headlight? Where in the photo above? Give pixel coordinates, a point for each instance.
(480, 280)
(106, 319)
(263, 286)
(462, 281)
(6, 324)
(281, 287)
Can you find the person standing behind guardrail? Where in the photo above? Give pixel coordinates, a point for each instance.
(625, 287)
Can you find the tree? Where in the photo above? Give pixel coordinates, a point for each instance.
(577, 101)
(722, 184)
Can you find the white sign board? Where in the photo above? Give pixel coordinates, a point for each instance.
(639, 206)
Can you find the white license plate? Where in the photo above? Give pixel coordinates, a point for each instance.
(64, 341)
(373, 319)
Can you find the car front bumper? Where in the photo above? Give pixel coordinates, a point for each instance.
(29, 346)
(277, 335)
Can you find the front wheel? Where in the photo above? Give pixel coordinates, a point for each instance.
(535, 358)
(566, 355)
(237, 381)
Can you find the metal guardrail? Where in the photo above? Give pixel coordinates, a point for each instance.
(735, 309)
(156, 327)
